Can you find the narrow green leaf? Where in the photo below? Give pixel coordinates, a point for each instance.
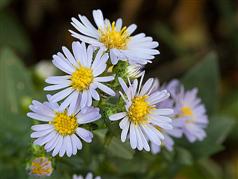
(119, 149)
(15, 82)
(12, 34)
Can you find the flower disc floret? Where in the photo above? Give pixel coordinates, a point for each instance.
(112, 38)
(82, 78)
(64, 124)
(139, 110)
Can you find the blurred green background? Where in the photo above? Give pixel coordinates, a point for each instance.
(198, 44)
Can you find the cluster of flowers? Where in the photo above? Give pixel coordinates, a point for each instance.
(152, 114)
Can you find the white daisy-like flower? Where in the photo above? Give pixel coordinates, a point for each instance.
(141, 114)
(83, 76)
(61, 132)
(118, 40)
(192, 112)
(88, 176)
(41, 166)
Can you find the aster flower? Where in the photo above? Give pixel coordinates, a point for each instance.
(190, 110)
(61, 132)
(141, 114)
(83, 76)
(118, 40)
(88, 176)
(41, 166)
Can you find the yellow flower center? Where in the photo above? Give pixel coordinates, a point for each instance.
(112, 38)
(41, 166)
(64, 124)
(186, 111)
(82, 78)
(139, 110)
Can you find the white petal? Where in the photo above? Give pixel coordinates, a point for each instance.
(63, 148)
(41, 127)
(94, 94)
(98, 18)
(125, 131)
(84, 99)
(57, 87)
(117, 116)
(68, 100)
(131, 29)
(123, 84)
(74, 105)
(58, 146)
(139, 140)
(84, 134)
(146, 87)
(41, 133)
(68, 145)
(164, 125)
(45, 139)
(73, 142)
(99, 70)
(41, 108)
(151, 135)
(104, 79)
(77, 142)
(57, 79)
(133, 138)
(86, 39)
(105, 89)
(158, 96)
(88, 117)
(90, 55)
(145, 143)
(39, 117)
(70, 57)
(61, 95)
(63, 64)
(100, 59)
(123, 122)
(51, 144)
(88, 24)
(119, 24)
(163, 111)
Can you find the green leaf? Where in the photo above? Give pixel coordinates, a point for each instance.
(184, 156)
(119, 149)
(15, 82)
(206, 169)
(15, 140)
(12, 34)
(14, 125)
(205, 76)
(101, 133)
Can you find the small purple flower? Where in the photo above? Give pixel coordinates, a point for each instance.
(190, 110)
